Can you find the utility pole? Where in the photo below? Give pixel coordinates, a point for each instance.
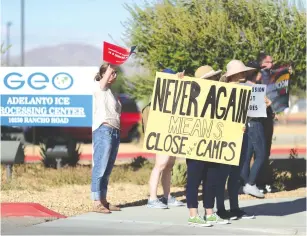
(8, 35)
(22, 18)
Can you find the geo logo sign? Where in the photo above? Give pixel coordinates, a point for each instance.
(38, 81)
(47, 96)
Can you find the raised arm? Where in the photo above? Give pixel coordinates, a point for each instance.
(106, 77)
(283, 69)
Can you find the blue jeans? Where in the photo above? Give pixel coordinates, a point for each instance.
(256, 144)
(233, 185)
(106, 142)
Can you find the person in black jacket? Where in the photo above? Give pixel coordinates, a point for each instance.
(265, 65)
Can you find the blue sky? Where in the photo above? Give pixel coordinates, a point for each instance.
(51, 22)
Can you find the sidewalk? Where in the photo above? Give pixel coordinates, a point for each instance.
(282, 216)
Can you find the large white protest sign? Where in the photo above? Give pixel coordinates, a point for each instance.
(257, 106)
(47, 96)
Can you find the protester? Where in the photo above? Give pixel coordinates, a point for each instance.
(106, 137)
(255, 145)
(205, 172)
(236, 73)
(207, 72)
(265, 62)
(163, 166)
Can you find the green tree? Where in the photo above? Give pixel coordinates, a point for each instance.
(185, 34)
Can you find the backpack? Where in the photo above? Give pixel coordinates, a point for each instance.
(145, 114)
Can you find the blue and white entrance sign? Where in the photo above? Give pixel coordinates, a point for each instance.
(46, 96)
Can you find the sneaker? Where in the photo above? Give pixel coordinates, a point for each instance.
(156, 204)
(215, 219)
(271, 189)
(252, 190)
(198, 221)
(240, 214)
(262, 190)
(172, 201)
(225, 215)
(268, 189)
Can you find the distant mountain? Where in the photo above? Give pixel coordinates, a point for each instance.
(71, 54)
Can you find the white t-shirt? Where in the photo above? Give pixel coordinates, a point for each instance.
(106, 108)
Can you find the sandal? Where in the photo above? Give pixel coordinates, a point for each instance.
(101, 209)
(113, 207)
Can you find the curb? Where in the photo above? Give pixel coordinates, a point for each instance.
(88, 156)
(20, 209)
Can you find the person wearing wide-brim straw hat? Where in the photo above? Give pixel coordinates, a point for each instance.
(236, 72)
(207, 72)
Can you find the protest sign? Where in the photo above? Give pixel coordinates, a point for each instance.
(278, 90)
(197, 119)
(257, 106)
(116, 55)
(47, 96)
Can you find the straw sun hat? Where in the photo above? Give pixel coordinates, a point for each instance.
(235, 67)
(205, 72)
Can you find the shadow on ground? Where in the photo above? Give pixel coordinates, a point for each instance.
(266, 209)
(278, 209)
(175, 194)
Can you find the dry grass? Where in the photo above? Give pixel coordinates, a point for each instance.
(71, 200)
(37, 177)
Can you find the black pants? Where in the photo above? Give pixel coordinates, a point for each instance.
(208, 174)
(265, 173)
(233, 186)
(233, 173)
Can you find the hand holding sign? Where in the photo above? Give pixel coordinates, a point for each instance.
(180, 75)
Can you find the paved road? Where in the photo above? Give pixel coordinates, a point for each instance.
(285, 216)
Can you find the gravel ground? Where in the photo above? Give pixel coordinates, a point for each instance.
(74, 200)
